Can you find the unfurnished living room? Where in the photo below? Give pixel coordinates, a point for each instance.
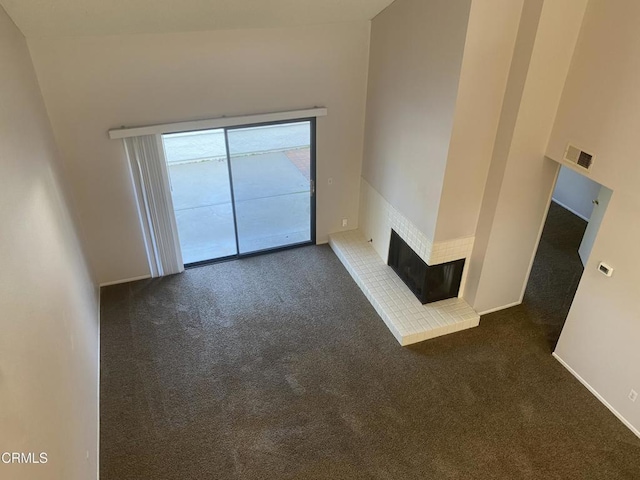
(295, 239)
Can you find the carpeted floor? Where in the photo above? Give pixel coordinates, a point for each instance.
(277, 367)
(555, 274)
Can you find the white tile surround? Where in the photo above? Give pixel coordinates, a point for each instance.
(408, 320)
(376, 219)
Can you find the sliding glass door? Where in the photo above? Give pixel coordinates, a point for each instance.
(271, 178)
(199, 179)
(242, 190)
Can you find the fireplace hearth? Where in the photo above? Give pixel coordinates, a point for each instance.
(429, 283)
(408, 320)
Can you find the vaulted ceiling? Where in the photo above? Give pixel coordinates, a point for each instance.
(60, 18)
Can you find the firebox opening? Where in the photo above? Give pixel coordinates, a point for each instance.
(429, 283)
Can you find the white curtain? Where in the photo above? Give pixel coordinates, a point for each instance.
(155, 207)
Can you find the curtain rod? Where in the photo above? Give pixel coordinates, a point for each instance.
(219, 122)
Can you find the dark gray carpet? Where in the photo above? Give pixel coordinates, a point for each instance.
(277, 367)
(555, 274)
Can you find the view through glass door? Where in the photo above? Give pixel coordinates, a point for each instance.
(201, 193)
(242, 190)
(271, 178)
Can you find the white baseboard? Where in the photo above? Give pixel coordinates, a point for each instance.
(503, 307)
(570, 209)
(98, 386)
(597, 395)
(126, 280)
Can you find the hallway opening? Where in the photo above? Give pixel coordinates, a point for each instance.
(570, 229)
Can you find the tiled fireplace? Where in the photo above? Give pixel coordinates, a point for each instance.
(406, 317)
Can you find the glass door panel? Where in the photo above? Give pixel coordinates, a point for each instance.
(271, 172)
(201, 193)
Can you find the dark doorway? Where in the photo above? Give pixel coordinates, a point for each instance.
(556, 271)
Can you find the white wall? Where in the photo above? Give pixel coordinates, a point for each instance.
(48, 304)
(92, 84)
(427, 146)
(414, 68)
(576, 192)
(602, 333)
(491, 35)
(521, 179)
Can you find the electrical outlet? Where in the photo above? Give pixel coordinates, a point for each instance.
(633, 395)
(345, 222)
